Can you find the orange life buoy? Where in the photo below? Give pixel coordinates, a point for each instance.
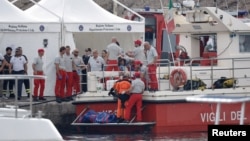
(178, 77)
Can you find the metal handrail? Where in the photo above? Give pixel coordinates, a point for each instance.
(16, 78)
(168, 63)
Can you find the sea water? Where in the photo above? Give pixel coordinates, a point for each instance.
(197, 136)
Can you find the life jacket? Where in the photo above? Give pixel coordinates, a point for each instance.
(123, 85)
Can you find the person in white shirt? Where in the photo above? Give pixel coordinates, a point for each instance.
(69, 66)
(26, 82)
(39, 84)
(152, 57)
(18, 65)
(138, 52)
(114, 51)
(60, 75)
(79, 64)
(95, 62)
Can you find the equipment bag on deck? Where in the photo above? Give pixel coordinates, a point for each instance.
(224, 82)
(196, 84)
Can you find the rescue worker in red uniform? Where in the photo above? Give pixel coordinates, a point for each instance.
(136, 91)
(69, 67)
(152, 56)
(37, 67)
(77, 71)
(60, 75)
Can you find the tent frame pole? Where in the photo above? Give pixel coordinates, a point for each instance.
(54, 14)
(137, 14)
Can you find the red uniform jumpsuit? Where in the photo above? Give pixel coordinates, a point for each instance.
(69, 72)
(60, 77)
(137, 89)
(38, 83)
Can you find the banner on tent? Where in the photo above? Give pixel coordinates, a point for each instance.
(14, 27)
(104, 27)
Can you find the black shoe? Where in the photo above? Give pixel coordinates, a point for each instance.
(65, 99)
(58, 100)
(12, 96)
(35, 99)
(19, 98)
(42, 98)
(152, 90)
(28, 95)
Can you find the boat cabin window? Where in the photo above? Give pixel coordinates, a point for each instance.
(150, 29)
(244, 43)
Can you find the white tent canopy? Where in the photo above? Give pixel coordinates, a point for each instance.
(91, 25)
(15, 20)
(19, 29)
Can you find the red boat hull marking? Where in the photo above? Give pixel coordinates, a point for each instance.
(179, 117)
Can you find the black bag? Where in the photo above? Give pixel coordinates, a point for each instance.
(196, 84)
(224, 82)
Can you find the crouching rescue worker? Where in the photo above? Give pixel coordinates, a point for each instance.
(122, 88)
(136, 91)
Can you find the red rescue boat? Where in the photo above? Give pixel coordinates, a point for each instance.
(211, 86)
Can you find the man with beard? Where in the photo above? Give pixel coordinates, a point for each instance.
(77, 60)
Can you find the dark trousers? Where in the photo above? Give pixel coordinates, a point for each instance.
(6, 83)
(1, 84)
(19, 82)
(26, 83)
(84, 80)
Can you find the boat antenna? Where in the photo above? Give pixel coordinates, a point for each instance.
(215, 2)
(227, 5)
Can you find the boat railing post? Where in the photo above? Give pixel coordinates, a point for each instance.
(159, 72)
(16, 91)
(31, 92)
(191, 77)
(211, 77)
(169, 64)
(103, 80)
(217, 114)
(242, 113)
(233, 72)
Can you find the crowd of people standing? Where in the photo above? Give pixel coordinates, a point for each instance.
(17, 65)
(71, 69)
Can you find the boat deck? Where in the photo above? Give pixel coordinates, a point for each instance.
(116, 124)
